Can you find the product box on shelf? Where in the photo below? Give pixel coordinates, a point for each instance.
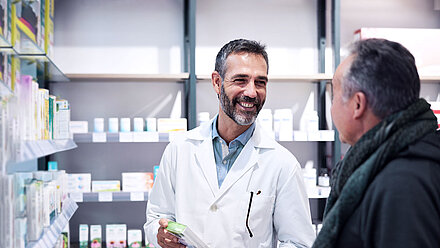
(62, 119)
(79, 126)
(34, 206)
(27, 30)
(78, 182)
(49, 15)
(422, 43)
(116, 235)
(95, 236)
(5, 20)
(106, 185)
(83, 236)
(165, 125)
(134, 238)
(137, 181)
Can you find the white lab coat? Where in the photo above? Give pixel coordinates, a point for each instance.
(186, 190)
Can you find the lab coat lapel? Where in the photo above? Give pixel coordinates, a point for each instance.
(244, 163)
(205, 159)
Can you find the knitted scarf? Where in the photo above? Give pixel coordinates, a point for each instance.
(363, 161)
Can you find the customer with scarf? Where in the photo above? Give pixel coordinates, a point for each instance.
(386, 190)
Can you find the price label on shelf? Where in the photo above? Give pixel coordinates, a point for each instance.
(137, 196)
(77, 196)
(99, 137)
(105, 196)
(125, 137)
(146, 137)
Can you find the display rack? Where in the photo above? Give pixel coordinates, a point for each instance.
(109, 196)
(129, 77)
(321, 135)
(50, 235)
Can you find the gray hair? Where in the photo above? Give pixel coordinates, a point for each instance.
(238, 46)
(386, 73)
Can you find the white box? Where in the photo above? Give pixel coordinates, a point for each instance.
(106, 185)
(165, 125)
(79, 126)
(137, 181)
(113, 125)
(98, 124)
(125, 125)
(78, 182)
(134, 237)
(138, 124)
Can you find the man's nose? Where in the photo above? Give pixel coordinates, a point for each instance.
(250, 90)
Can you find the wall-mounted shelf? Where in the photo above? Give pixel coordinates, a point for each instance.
(37, 149)
(130, 77)
(51, 234)
(50, 71)
(121, 137)
(286, 78)
(321, 135)
(109, 196)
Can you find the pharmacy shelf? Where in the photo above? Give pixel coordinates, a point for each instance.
(30, 48)
(129, 77)
(37, 149)
(109, 196)
(321, 135)
(41, 148)
(312, 78)
(50, 235)
(50, 71)
(122, 137)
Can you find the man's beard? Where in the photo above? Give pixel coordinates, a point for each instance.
(243, 118)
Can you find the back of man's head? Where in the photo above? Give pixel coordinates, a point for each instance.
(386, 73)
(238, 46)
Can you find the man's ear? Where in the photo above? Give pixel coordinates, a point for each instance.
(360, 105)
(216, 81)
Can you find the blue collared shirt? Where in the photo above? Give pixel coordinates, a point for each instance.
(225, 155)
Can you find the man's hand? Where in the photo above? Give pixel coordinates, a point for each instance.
(164, 238)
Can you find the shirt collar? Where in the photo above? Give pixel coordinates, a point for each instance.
(242, 138)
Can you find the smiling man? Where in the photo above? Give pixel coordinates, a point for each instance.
(232, 184)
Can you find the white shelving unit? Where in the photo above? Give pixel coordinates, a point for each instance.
(109, 196)
(50, 235)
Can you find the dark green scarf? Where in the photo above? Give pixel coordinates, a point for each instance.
(362, 162)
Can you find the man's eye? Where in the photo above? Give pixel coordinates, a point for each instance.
(239, 80)
(261, 82)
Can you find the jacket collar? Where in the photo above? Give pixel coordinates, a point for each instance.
(260, 137)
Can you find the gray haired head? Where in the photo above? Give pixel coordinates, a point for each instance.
(386, 73)
(238, 46)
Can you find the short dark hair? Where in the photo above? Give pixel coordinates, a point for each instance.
(239, 46)
(386, 73)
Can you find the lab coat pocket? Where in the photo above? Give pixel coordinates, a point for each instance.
(260, 218)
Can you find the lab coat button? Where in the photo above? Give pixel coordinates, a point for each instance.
(213, 208)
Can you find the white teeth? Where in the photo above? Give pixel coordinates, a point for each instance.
(247, 105)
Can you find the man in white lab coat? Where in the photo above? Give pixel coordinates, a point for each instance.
(230, 182)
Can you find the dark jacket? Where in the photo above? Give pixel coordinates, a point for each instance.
(401, 207)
